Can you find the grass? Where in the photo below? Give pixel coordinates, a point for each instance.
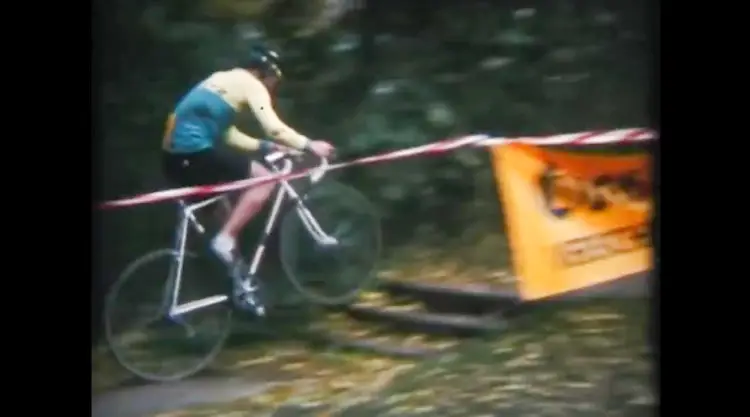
(572, 360)
(287, 357)
(481, 263)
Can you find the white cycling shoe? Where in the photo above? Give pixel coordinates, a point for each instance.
(223, 247)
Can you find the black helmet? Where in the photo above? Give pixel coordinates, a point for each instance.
(264, 59)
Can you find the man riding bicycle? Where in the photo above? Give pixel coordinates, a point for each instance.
(192, 154)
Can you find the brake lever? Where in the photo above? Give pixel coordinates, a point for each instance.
(318, 172)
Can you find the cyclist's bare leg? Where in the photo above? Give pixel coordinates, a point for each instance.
(249, 203)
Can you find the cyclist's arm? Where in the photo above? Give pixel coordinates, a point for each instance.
(242, 141)
(259, 102)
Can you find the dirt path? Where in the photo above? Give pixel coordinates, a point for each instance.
(146, 400)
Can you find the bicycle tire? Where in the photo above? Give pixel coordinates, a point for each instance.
(319, 200)
(111, 304)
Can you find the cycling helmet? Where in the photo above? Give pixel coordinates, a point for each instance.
(264, 59)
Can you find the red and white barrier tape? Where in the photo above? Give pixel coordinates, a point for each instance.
(582, 138)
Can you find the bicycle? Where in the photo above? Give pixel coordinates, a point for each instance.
(165, 307)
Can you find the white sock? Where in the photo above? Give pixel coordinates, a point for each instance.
(224, 244)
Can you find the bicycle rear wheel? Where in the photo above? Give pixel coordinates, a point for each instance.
(332, 274)
(137, 327)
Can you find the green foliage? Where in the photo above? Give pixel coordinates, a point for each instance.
(488, 67)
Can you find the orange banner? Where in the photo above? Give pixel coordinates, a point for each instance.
(573, 220)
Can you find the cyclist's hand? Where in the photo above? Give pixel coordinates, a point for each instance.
(322, 148)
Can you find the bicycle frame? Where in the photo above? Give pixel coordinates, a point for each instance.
(188, 220)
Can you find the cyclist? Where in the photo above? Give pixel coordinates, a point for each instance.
(192, 154)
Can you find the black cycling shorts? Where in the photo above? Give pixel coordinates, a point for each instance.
(206, 167)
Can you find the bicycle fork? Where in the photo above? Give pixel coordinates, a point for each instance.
(304, 213)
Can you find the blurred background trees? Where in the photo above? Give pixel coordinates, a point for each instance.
(370, 76)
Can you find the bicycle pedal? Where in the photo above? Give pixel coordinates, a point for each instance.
(247, 302)
(260, 311)
(246, 297)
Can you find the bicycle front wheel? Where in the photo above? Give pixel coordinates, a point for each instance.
(331, 273)
(141, 334)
